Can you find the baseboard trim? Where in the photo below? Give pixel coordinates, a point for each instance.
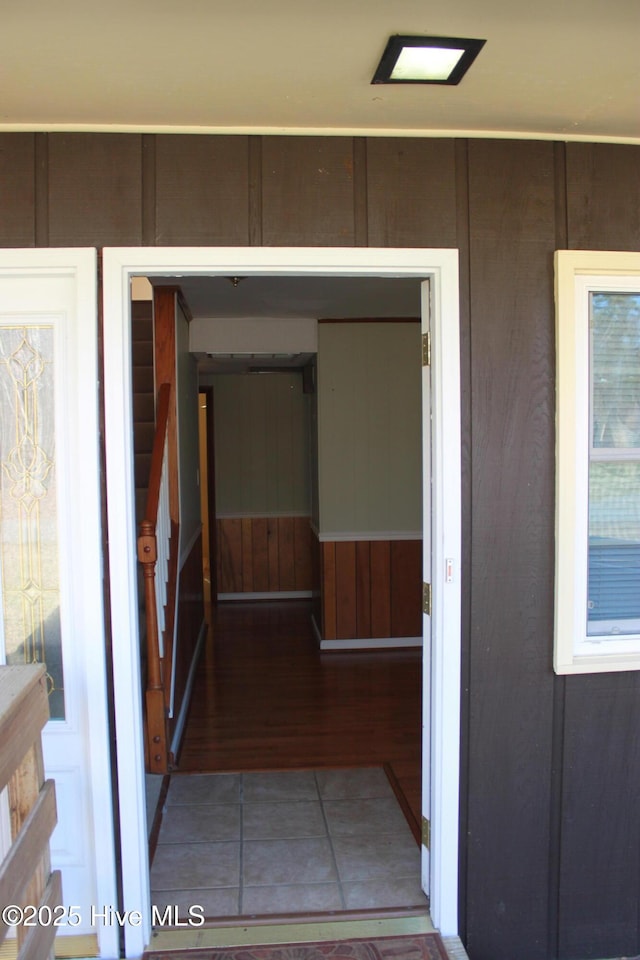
(371, 643)
(188, 690)
(268, 595)
(354, 536)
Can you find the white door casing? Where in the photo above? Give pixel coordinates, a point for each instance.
(442, 670)
(53, 294)
(446, 567)
(425, 324)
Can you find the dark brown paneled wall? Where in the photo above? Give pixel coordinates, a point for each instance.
(511, 240)
(599, 827)
(550, 767)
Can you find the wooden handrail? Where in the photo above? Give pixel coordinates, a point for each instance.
(25, 873)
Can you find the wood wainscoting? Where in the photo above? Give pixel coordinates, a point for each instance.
(370, 592)
(263, 555)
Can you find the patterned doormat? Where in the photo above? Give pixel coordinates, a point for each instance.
(427, 946)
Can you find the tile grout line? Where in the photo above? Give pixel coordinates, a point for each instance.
(333, 854)
(324, 833)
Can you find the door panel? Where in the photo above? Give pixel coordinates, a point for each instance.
(50, 549)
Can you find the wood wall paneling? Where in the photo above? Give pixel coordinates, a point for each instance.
(380, 558)
(363, 588)
(307, 191)
(372, 589)
(229, 555)
(273, 559)
(411, 191)
(303, 553)
(286, 553)
(95, 189)
(406, 588)
(201, 189)
(500, 203)
(17, 190)
(328, 590)
(600, 760)
(316, 566)
(260, 544)
(603, 196)
(346, 606)
(264, 554)
(512, 231)
(247, 555)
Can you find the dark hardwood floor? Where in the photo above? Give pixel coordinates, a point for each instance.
(266, 698)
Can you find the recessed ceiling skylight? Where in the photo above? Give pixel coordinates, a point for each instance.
(426, 60)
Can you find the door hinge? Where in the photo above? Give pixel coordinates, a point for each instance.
(426, 598)
(426, 833)
(426, 349)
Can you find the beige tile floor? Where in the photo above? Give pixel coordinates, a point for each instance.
(293, 842)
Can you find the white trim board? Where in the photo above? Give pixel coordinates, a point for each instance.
(184, 706)
(264, 515)
(372, 643)
(441, 267)
(364, 537)
(267, 595)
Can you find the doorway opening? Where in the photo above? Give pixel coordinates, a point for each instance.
(314, 452)
(441, 267)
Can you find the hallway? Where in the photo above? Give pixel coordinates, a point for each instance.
(265, 698)
(298, 789)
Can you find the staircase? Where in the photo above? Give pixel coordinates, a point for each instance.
(143, 398)
(142, 376)
(156, 469)
(156, 485)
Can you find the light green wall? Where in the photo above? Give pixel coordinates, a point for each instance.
(188, 444)
(369, 428)
(262, 464)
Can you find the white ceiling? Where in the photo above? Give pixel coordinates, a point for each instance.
(290, 299)
(297, 298)
(554, 68)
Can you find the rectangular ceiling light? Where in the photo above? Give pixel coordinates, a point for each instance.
(426, 60)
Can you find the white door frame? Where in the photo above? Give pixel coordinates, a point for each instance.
(441, 267)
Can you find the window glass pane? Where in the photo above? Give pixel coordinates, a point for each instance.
(614, 548)
(29, 585)
(615, 370)
(614, 469)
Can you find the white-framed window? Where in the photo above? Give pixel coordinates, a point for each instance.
(597, 582)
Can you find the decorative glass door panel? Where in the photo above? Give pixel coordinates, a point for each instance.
(29, 567)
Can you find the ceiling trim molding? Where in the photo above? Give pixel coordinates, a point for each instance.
(561, 136)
